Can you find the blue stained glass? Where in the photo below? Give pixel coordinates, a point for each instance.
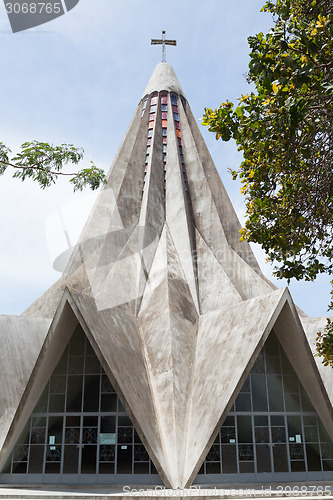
(174, 99)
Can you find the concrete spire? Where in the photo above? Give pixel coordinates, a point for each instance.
(163, 78)
(160, 282)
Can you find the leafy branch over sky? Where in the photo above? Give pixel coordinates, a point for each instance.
(285, 131)
(43, 163)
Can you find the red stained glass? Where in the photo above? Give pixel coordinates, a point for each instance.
(148, 142)
(153, 100)
(152, 117)
(164, 140)
(164, 99)
(164, 115)
(151, 125)
(178, 134)
(175, 109)
(179, 141)
(177, 125)
(164, 123)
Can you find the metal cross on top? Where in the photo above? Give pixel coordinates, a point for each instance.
(163, 42)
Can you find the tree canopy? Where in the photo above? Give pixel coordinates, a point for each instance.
(44, 163)
(285, 130)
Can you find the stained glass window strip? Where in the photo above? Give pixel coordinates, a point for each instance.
(164, 108)
(175, 110)
(152, 117)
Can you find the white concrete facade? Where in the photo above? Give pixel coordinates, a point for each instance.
(174, 305)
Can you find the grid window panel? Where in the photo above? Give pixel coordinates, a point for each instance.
(274, 436)
(97, 436)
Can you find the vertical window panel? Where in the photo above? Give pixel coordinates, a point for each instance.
(229, 459)
(259, 393)
(275, 393)
(280, 458)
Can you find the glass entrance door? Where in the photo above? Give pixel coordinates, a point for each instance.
(80, 447)
(270, 443)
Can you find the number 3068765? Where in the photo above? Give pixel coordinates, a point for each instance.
(33, 8)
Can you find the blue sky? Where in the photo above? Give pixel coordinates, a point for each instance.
(78, 79)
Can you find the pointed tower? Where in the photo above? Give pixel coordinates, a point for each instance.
(168, 307)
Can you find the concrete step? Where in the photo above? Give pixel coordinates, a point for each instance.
(295, 491)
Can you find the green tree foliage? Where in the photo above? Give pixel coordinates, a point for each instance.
(44, 163)
(285, 131)
(324, 341)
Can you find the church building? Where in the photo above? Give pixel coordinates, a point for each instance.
(163, 355)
